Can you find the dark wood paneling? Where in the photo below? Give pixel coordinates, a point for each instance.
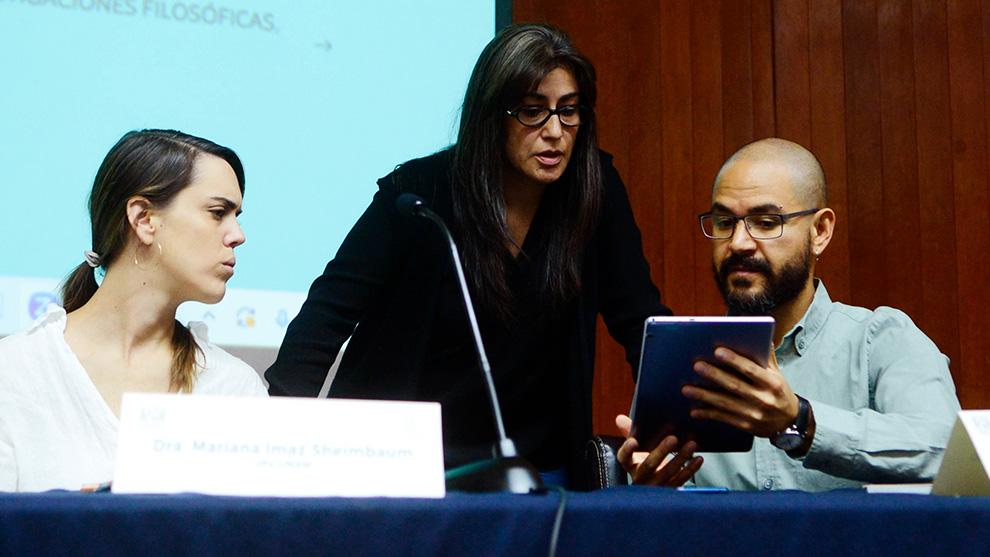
(937, 238)
(645, 131)
(676, 155)
(614, 385)
(737, 75)
(527, 11)
(828, 134)
(864, 158)
(792, 84)
(706, 130)
(761, 26)
(967, 88)
(641, 48)
(899, 155)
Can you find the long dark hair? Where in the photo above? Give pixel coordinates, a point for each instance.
(156, 165)
(510, 67)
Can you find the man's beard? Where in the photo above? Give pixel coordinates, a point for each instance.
(781, 287)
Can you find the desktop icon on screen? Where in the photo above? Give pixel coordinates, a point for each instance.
(38, 302)
(245, 317)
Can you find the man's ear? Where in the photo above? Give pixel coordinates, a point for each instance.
(139, 216)
(822, 233)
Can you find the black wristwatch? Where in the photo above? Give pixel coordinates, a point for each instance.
(794, 436)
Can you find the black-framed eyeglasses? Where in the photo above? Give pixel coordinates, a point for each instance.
(760, 227)
(534, 115)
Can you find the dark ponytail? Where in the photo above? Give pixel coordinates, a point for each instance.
(79, 287)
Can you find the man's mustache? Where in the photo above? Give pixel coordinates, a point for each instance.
(738, 262)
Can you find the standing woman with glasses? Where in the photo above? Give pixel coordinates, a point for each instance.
(547, 240)
(164, 209)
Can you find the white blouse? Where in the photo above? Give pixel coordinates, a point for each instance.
(56, 431)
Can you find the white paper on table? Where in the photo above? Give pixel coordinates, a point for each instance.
(964, 463)
(281, 446)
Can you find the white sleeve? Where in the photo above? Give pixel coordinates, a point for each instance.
(8, 466)
(223, 373)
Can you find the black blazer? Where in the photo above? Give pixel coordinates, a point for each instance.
(383, 286)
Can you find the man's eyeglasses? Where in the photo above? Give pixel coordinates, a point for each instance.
(534, 116)
(760, 227)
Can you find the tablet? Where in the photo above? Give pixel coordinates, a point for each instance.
(671, 346)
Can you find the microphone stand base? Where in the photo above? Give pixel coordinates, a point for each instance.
(503, 475)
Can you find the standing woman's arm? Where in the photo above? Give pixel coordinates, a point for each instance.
(337, 301)
(627, 295)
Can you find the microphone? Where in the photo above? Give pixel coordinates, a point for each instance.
(413, 205)
(507, 471)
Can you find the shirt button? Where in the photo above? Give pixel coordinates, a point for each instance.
(801, 345)
(768, 484)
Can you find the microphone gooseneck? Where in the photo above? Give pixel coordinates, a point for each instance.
(409, 204)
(507, 471)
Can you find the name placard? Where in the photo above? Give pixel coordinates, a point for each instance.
(966, 461)
(278, 447)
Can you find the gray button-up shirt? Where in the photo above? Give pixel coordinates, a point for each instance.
(882, 396)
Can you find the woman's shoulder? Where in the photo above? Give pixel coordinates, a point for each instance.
(423, 176)
(36, 359)
(223, 373)
(27, 343)
(611, 181)
(606, 158)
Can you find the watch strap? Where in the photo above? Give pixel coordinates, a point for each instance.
(804, 410)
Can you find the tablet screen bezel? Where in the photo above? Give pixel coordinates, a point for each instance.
(670, 347)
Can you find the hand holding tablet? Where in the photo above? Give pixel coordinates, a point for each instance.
(671, 347)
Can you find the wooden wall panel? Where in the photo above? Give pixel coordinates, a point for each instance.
(614, 86)
(892, 97)
(761, 37)
(828, 133)
(706, 136)
(642, 148)
(899, 160)
(864, 158)
(937, 239)
(967, 92)
(792, 95)
(675, 169)
(645, 137)
(736, 31)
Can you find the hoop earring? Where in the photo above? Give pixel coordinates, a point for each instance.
(156, 261)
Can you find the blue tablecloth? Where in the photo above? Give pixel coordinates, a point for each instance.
(621, 521)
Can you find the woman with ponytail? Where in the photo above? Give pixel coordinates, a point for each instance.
(164, 212)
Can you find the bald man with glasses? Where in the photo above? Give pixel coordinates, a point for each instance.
(851, 396)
